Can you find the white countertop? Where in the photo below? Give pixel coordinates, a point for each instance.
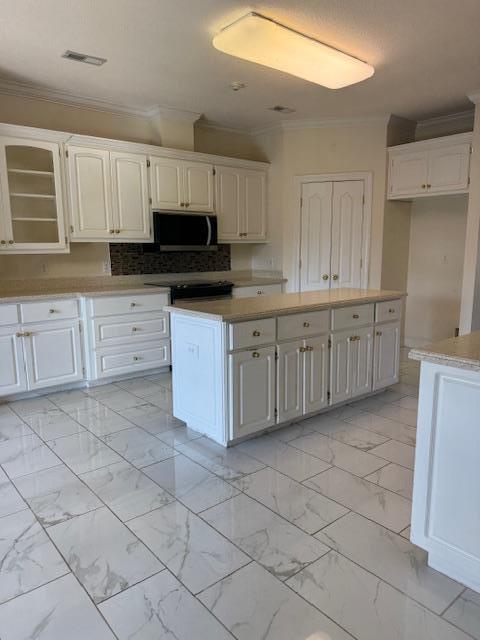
(462, 352)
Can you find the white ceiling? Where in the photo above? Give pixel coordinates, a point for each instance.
(426, 54)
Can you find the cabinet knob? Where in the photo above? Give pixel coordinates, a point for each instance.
(182, 204)
(424, 186)
(379, 333)
(117, 230)
(10, 242)
(355, 316)
(133, 304)
(256, 333)
(306, 324)
(52, 311)
(335, 276)
(325, 276)
(134, 328)
(255, 354)
(136, 358)
(428, 186)
(112, 230)
(3, 242)
(391, 311)
(187, 204)
(302, 349)
(308, 348)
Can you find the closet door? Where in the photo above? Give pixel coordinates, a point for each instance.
(316, 229)
(347, 234)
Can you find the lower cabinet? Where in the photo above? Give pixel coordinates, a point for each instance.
(386, 355)
(12, 368)
(252, 390)
(351, 364)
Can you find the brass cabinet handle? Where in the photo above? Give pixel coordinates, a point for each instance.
(52, 311)
(379, 333)
(187, 204)
(335, 276)
(308, 348)
(134, 328)
(117, 230)
(255, 334)
(302, 349)
(354, 338)
(112, 230)
(133, 304)
(25, 334)
(355, 316)
(259, 292)
(391, 311)
(10, 242)
(255, 354)
(325, 276)
(182, 204)
(424, 186)
(306, 324)
(3, 242)
(136, 358)
(428, 186)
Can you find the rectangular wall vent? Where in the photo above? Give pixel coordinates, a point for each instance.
(83, 57)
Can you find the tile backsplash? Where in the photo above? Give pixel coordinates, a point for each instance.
(131, 259)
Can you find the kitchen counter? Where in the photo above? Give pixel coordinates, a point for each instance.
(462, 352)
(77, 291)
(237, 309)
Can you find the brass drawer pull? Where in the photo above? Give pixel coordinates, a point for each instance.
(391, 311)
(308, 348)
(3, 242)
(302, 349)
(136, 358)
(255, 334)
(355, 316)
(428, 186)
(325, 276)
(354, 338)
(255, 354)
(133, 304)
(379, 333)
(424, 186)
(25, 334)
(112, 230)
(134, 328)
(259, 292)
(53, 311)
(117, 230)
(306, 324)
(10, 242)
(335, 276)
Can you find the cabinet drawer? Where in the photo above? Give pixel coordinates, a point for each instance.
(350, 317)
(118, 330)
(252, 333)
(8, 314)
(118, 305)
(301, 325)
(388, 310)
(49, 310)
(250, 292)
(119, 360)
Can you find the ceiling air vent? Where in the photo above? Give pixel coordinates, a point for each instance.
(280, 109)
(83, 57)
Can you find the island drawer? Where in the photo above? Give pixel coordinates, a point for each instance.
(145, 326)
(60, 309)
(8, 314)
(251, 333)
(388, 310)
(300, 325)
(350, 317)
(119, 360)
(252, 291)
(118, 305)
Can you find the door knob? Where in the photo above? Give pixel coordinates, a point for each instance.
(302, 349)
(255, 354)
(255, 334)
(335, 276)
(308, 348)
(3, 242)
(306, 324)
(325, 276)
(379, 333)
(10, 242)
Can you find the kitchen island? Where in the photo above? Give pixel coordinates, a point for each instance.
(446, 494)
(244, 366)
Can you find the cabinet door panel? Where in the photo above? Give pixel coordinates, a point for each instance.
(386, 355)
(347, 234)
(408, 172)
(362, 362)
(315, 374)
(255, 205)
(316, 236)
(166, 179)
(252, 391)
(290, 380)
(228, 203)
(12, 368)
(90, 193)
(130, 196)
(53, 354)
(198, 186)
(448, 168)
(341, 366)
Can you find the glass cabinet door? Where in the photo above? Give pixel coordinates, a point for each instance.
(31, 203)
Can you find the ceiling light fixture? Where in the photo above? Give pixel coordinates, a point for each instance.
(264, 41)
(83, 57)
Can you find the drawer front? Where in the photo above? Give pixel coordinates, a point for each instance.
(301, 325)
(118, 330)
(119, 305)
(49, 310)
(8, 314)
(388, 310)
(111, 362)
(252, 333)
(351, 317)
(250, 292)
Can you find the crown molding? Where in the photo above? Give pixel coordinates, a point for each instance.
(474, 97)
(215, 126)
(461, 117)
(168, 113)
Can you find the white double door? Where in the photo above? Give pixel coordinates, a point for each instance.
(332, 235)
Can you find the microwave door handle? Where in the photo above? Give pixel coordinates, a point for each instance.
(209, 230)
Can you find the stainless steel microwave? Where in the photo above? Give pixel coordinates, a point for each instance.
(184, 232)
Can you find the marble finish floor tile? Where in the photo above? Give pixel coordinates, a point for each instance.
(292, 431)
(296, 464)
(28, 407)
(56, 611)
(178, 435)
(119, 400)
(338, 454)
(407, 402)
(10, 499)
(55, 424)
(400, 414)
(139, 447)
(103, 553)
(364, 605)
(68, 399)
(28, 558)
(398, 452)
(394, 478)
(55, 495)
(385, 427)
(151, 418)
(405, 389)
(8, 417)
(368, 499)
(298, 504)
(406, 532)
(161, 608)
(191, 484)
(162, 398)
(126, 490)
(20, 456)
(277, 545)
(140, 387)
(194, 552)
(83, 452)
(85, 404)
(13, 428)
(163, 379)
(391, 558)
(229, 463)
(100, 420)
(101, 389)
(465, 613)
(253, 605)
(346, 433)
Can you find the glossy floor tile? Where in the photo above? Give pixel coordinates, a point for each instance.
(395, 478)
(465, 613)
(10, 499)
(26, 454)
(139, 447)
(83, 452)
(55, 424)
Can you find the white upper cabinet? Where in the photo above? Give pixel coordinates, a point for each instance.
(31, 197)
(240, 203)
(130, 195)
(430, 167)
(178, 185)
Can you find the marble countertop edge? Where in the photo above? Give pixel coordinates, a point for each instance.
(462, 352)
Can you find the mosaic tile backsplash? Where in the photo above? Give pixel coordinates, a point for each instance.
(131, 259)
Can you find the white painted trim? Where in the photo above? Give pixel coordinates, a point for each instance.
(299, 181)
(465, 117)
(474, 97)
(457, 138)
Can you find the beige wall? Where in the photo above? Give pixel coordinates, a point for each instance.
(227, 143)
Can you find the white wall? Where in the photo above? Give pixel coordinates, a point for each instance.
(435, 266)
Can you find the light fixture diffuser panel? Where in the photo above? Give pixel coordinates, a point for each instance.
(264, 41)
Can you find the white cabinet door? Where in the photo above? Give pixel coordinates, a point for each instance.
(341, 366)
(315, 374)
(386, 355)
(130, 196)
(252, 390)
(448, 168)
(255, 217)
(198, 186)
(166, 182)
(228, 203)
(290, 380)
(90, 184)
(316, 230)
(53, 354)
(408, 173)
(347, 234)
(12, 368)
(361, 362)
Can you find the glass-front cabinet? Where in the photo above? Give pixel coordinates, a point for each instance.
(31, 199)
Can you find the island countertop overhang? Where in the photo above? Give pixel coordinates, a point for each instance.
(462, 352)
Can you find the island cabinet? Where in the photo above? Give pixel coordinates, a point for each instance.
(238, 378)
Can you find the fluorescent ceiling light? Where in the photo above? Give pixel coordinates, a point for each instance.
(264, 41)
